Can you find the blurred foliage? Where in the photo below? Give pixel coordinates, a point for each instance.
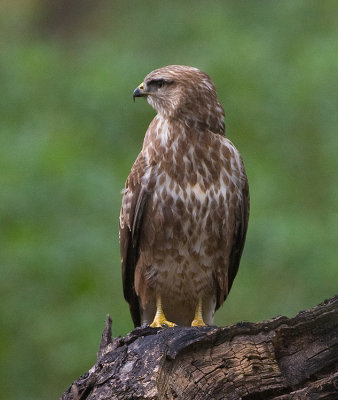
(69, 134)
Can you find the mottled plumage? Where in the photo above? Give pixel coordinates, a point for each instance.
(185, 205)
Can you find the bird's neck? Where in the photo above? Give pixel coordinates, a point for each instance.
(209, 119)
(167, 134)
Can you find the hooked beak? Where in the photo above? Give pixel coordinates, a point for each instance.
(139, 91)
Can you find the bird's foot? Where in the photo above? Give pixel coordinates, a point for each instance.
(198, 319)
(160, 321)
(198, 322)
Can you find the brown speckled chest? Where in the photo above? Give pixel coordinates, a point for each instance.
(194, 179)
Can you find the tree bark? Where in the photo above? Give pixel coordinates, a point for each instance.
(283, 358)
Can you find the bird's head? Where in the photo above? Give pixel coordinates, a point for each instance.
(185, 93)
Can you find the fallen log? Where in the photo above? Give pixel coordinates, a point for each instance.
(282, 358)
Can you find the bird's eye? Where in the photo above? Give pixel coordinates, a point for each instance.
(157, 83)
(160, 83)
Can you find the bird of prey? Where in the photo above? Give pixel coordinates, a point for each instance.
(185, 205)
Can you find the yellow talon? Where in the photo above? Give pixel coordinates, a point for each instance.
(198, 319)
(160, 319)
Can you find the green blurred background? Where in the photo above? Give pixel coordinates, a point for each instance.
(70, 132)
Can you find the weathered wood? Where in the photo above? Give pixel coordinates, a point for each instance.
(282, 358)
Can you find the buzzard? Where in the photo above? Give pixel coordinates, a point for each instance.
(185, 205)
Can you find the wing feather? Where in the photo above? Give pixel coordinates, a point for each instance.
(241, 225)
(236, 240)
(132, 213)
